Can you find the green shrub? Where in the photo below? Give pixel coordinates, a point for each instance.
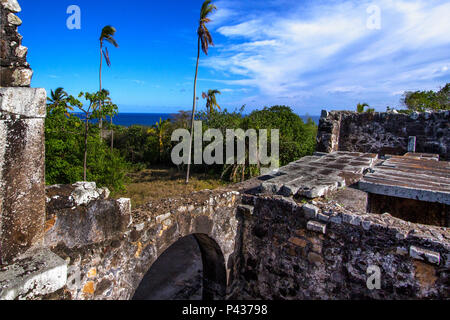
(64, 150)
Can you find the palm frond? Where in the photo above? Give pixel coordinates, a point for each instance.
(106, 55)
(107, 31)
(203, 32)
(112, 41)
(204, 9)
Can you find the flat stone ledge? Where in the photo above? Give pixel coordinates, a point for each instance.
(26, 102)
(40, 272)
(405, 192)
(316, 176)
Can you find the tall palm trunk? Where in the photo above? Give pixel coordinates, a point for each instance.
(112, 135)
(86, 128)
(193, 114)
(100, 123)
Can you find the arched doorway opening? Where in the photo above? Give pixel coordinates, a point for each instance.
(193, 268)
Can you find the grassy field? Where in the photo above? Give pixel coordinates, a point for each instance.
(158, 183)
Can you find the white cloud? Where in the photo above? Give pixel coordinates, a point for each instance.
(313, 49)
(140, 82)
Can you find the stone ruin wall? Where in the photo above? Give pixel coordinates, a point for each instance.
(384, 133)
(274, 247)
(15, 71)
(22, 113)
(109, 248)
(92, 247)
(302, 251)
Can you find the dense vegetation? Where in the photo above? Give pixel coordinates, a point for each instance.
(427, 100)
(152, 146)
(70, 137)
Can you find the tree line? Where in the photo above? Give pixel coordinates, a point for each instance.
(418, 101)
(75, 149)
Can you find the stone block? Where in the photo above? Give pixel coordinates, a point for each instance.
(310, 211)
(316, 227)
(26, 102)
(22, 179)
(337, 219)
(323, 217)
(80, 215)
(85, 192)
(161, 218)
(40, 272)
(11, 5)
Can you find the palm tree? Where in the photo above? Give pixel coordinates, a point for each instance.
(360, 107)
(58, 99)
(203, 42)
(160, 131)
(106, 35)
(211, 101)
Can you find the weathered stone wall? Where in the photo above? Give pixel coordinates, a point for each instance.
(302, 251)
(22, 113)
(109, 249)
(14, 68)
(22, 186)
(384, 133)
(78, 244)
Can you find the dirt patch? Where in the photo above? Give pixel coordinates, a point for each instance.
(159, 183)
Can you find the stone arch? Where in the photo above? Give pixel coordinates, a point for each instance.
(120, 246)
(214, 279)
(210, 216)
(214, 271)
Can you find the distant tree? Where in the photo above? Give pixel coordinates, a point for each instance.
(204, 41)
(58, 100)
(211, 100)
(361, 106)
(443, 97)
(106, 35)
(421, 101)
(181, 119)
(160, 130)
(95, 100)
(65, 146)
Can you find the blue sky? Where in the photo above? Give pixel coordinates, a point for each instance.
(311, 55)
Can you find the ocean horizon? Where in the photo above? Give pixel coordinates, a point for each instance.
(128, 119)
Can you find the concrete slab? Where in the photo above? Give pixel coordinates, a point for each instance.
(317, 176)
(410, 177)
(40, 272)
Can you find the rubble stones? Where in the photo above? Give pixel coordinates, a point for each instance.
(11, 5)
(14, 68)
